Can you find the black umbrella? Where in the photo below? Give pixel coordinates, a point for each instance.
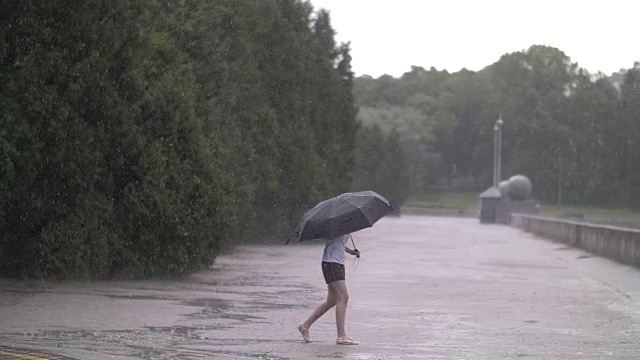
(341, 215)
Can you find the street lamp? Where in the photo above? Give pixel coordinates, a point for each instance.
(497, 151)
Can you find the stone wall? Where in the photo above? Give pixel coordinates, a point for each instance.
(617, 243)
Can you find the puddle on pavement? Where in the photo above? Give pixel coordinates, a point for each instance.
(235, 310)
(231, 299)
(331, 356)
(169, 342)
(139, 297)
(263, 356)
(257, 279)
(150, 343)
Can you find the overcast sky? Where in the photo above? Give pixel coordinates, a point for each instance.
(388, 36)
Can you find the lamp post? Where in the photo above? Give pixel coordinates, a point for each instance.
(497, 151)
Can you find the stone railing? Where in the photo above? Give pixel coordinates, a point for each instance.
(621, 244)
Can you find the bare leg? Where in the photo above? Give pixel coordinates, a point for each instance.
(318, 312)
(321, 309)
(342, 298)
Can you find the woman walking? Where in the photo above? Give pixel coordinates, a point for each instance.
(337, 295)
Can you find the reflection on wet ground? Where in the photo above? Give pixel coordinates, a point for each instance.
(426, 288)
(186, 314)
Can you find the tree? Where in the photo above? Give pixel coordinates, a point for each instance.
(630, 105)
(381, 164)
(142, 138)
(570, 131)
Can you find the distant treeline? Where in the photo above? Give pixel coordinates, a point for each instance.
(575, 134)
(142, 138)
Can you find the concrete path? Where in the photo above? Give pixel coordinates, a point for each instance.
(426, 288)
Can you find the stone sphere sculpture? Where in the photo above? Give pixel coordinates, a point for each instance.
(519, 187)
(504, 188)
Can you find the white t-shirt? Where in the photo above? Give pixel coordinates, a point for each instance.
(334, 249)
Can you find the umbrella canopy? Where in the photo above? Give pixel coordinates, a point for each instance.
(342, 215)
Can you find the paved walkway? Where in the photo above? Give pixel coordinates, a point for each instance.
(426, 288)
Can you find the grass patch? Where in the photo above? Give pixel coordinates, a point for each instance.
(447, 200)
(555, 210)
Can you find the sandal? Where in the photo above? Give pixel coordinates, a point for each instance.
(346, 341)
(305, 333)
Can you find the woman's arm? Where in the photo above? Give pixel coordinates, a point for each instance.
(355, 252)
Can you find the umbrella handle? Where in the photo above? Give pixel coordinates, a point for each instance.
(295, 233)
(354, 245)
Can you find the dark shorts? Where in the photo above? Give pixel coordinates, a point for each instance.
(332, 272)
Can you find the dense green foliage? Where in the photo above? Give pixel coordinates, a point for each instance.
(575, 134)
(381, 164)
(142, 137)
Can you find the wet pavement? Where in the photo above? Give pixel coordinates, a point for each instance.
(426, 288)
